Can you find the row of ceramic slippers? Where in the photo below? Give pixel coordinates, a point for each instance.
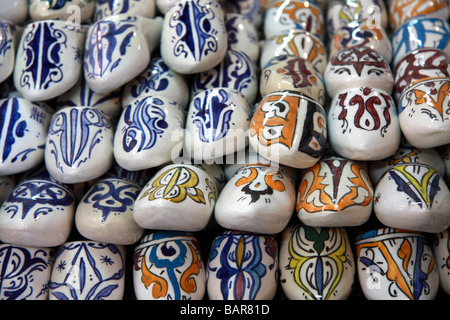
(169, 266)
(130, 41)
(21, 11)
(253, 197)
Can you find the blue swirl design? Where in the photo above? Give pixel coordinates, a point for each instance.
(11, 126)
(417, 28)
(144, 124)
(212, 115)
(241, 268)
(42, 48)
(154, 78)
(234, 72)
(102, 43)
(45, 194)
(195, 35)
(56, 4)
(6, 30)
(91, 284)
(112, 196)
(74, 135)
(16, 283)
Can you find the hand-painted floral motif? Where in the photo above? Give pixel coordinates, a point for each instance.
(195, 36)
(82, 277)
(170, 265)
(175, 185)
(42, 51)
(400, 263)
(21, 268)
(322, 188)
(318, 259)
(242, 261)
(145, 122)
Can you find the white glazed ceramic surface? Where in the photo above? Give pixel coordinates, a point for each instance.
(420, 32)
(88, 270)
(23, 132)
(419, 64)
(296, 43)
(105, 213)
(289, 128)
(400, 10)
(15, 11)
(258, 199)
(413, 196)
(396, 264)
(424, 112)
(357, 67)
(83, 96)
(283, 16)
(118, 49)
(76, 11)
(441, 251)
(340, 13)
(149, 133)
(9, 39)
(242, 35)
(79, 145)
(39, 212)
(194, 37)
(336, 192)
(292, 73)
(407, 154)
(363, 124)
(169, 266)
(236, 72)
(108, 8)
(49, 59)
(242, 266)
(25, 272)
(178, 197)
(362, 34)
(160, 81)
(316, 263)
(216, 124)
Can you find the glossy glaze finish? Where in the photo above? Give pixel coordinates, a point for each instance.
(283, 16)
(179, 197)
(23, 132)
(424, 112)
(202, 51)
(242, 266)
(289, 128)
(216, 124)
(396, 264)
(169, 266)
(297, 43)
(357, 67)
(49, 59)
(119, 48)
(316, 263)
(258, 199)
(25, 272)
(294, 74)
(39, 212)
(88, 270)
(336, 192)
(413, 197)
(420, 32)
(149, 133)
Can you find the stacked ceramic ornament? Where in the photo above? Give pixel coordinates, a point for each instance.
(134, 127)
